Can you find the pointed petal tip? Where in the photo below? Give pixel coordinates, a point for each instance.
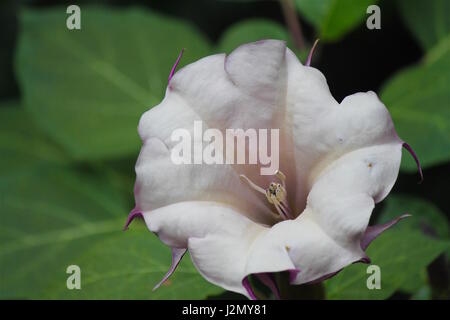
(133, 214)
(311, 52)
(416, 159)
(156, 286)
(175, 66)
(177, 255)
(372, 232)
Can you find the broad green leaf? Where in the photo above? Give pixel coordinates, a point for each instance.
(53, 218)
(23, 145)
(87, 88)
(426, 217)
(398, 253)
(417, 99)
(333, 18)
(428, 20)
(137, 260)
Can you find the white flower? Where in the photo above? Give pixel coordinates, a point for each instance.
(338, 160)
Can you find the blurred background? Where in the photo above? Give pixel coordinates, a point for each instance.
(70, 101)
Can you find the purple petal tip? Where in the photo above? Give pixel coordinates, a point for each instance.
(175, 66)
(177, 255)
(372, 232)
(133, 214)
(413, 154)
(365, 259)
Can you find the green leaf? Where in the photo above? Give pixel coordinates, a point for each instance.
(53, 218)
(22, 145)
(417, 99)
(333, 18)
(425, 215)
(428, 20)
(398, 253)
(87, 88)
(134, 279)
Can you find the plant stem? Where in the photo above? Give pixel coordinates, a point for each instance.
(292, 21)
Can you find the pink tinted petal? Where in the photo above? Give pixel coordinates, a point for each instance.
(374, 231)
(416, 159)
(177, 255)
(267, 279)
(175, 66)
(133, 214)
(248, 287)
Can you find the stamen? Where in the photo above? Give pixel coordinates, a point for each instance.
(276, 194)
(280, 211)
(252, 185)
(282, 177)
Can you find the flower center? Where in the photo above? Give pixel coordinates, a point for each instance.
(276, 194)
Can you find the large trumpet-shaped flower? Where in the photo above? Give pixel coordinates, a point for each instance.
(336, 161)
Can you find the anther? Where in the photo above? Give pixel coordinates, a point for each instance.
(276, 194)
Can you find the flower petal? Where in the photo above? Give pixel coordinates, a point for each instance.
(371, 233)
(340, 160)
(326, 236)
(218, 238)
(300, 244)
(344, 194)
(243, 90)
(160, 182)
(324, 130)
